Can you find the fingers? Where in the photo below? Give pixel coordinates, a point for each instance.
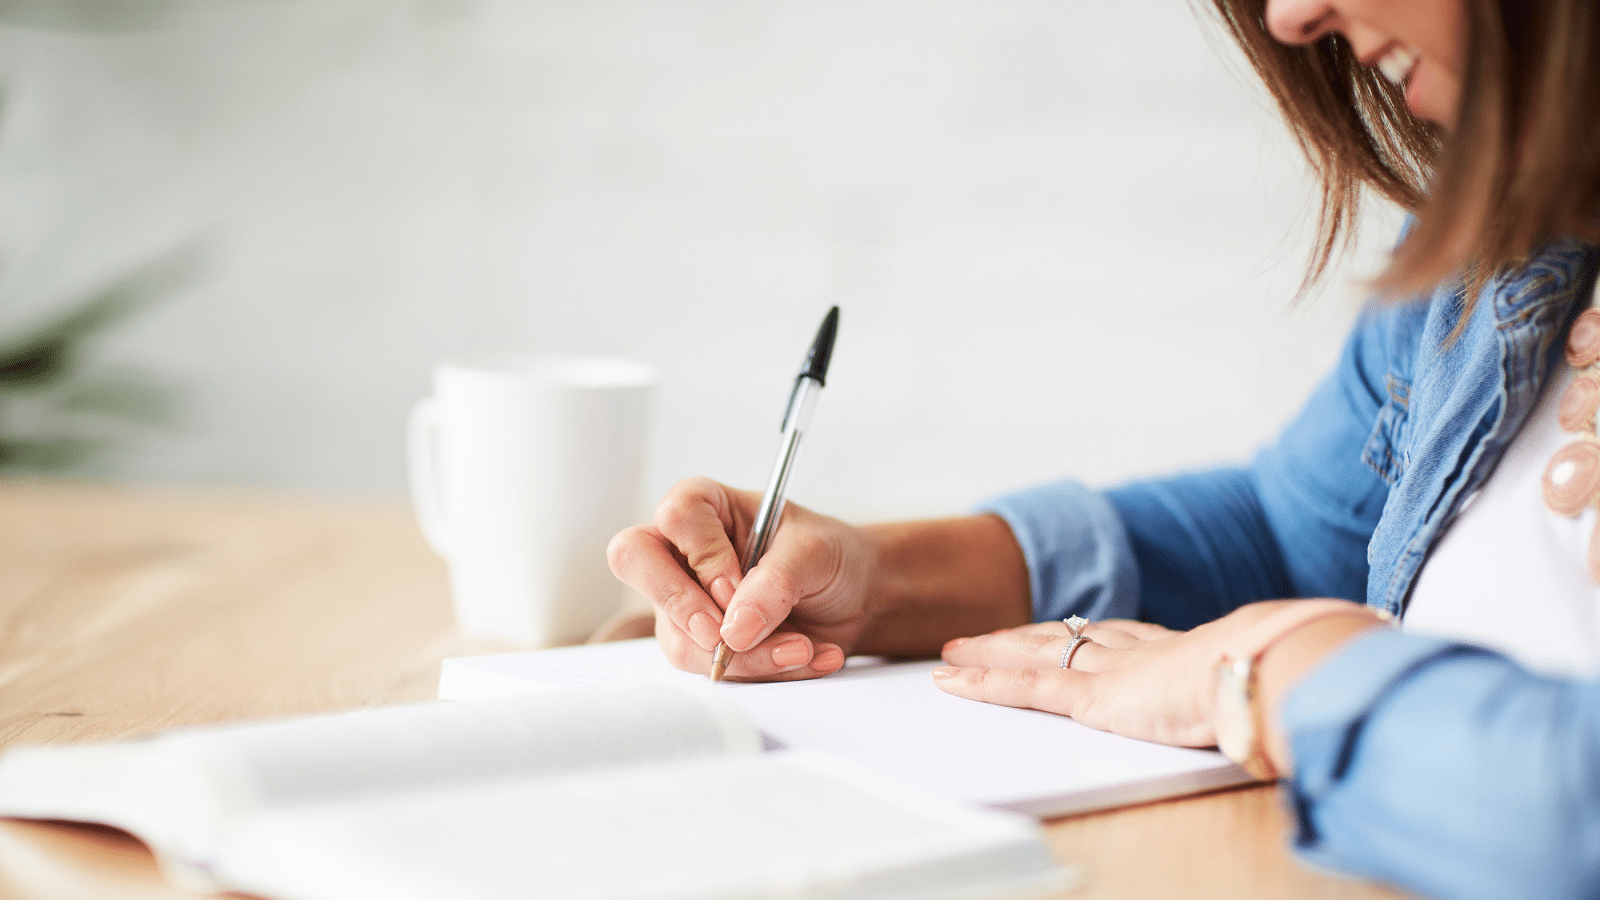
(1111, 632)
(646, 561)
(801, 573)
(1052, 690)
(783, 656)
(763, 600)
(685, 564)
(1155, 690)
(1107, 635)
(774, 660)
(698, 517)
(1144, 631)
(1042, 645)
(1019, 649)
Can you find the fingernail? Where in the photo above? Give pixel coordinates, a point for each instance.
(722, 592)
(954, 643)
(790, 653)
(743, 627)
(704, 630)
(828, 658)
(945, 671)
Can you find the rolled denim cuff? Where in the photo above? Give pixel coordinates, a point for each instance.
(1079, 559)
(1446, 770)
(1327, 711)
(1321, 712)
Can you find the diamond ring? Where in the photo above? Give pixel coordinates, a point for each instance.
(1072, 649)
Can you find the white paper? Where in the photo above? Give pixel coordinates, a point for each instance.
(778, 825)
(891, 718)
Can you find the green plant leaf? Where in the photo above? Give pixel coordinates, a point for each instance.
(48, 353)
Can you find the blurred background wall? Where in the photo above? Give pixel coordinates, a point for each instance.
(1064, 234)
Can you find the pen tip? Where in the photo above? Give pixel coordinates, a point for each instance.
(719, 661)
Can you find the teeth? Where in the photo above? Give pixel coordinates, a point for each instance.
(1397, 63)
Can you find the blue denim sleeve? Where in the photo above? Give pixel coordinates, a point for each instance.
(1187, 549)
(1297, 521)
(1447, 770)
(1077, 552)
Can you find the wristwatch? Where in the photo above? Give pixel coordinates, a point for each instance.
(1237, 714)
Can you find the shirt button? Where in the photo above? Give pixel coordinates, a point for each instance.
(1583, 342)
(1578, 403)
(1572, 477)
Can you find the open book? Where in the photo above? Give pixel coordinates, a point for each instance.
(601, 794)
(889, 717)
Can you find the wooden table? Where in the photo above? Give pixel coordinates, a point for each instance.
(127, 611)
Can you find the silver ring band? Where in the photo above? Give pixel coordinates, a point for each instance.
(1072, 649)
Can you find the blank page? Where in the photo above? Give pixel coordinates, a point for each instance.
(891, 718)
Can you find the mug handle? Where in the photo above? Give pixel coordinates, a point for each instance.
(423, 464)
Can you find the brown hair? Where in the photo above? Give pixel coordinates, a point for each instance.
(1522, 165)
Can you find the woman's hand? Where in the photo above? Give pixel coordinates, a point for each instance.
(797, 614)
(1133, 678)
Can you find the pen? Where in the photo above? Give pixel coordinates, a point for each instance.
(796, 417)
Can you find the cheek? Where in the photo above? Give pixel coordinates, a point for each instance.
(1434, 94)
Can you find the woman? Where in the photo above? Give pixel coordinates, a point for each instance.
(1447, 472)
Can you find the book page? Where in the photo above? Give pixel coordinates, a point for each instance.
(781, 825)
(348, 754)
(182, 791)
(128, 785)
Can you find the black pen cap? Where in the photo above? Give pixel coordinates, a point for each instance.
(821, 353)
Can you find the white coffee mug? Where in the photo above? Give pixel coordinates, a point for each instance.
(522, 469)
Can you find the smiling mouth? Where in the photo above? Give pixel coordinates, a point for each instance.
(1397, 64)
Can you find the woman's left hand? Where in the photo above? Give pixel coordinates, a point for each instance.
(1132, 678)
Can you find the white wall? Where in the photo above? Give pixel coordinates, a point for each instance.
(1063, 234)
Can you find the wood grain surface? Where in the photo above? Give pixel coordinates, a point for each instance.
(123, 612)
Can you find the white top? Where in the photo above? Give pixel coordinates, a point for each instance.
(1511, 574)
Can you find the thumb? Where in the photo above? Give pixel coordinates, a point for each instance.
(764, 599)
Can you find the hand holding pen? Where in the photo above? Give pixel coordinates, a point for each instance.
(797, 612)
(796, 420)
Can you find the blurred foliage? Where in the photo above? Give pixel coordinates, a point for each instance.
(56, 410)
(59, 411)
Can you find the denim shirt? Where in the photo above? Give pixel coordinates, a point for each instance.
(1492, 788)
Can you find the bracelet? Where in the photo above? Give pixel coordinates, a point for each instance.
(1238, 719)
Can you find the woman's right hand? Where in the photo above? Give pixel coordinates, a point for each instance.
(797, 614)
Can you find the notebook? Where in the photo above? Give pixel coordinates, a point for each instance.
(889, 717)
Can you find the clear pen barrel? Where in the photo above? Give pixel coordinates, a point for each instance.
(801, 404)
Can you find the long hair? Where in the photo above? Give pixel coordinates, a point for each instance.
(1522, 165)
